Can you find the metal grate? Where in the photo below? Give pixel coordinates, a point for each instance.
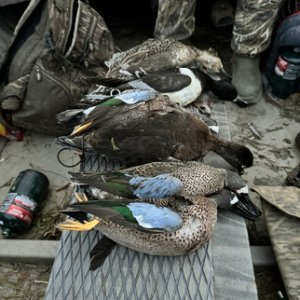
(127, 274)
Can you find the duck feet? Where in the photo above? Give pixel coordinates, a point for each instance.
(81, 197)
(77, 226)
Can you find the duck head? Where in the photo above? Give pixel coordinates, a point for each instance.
(240, 203)
(211, 64)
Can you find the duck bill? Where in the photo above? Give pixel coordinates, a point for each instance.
(246, 208)
(220, 74)
(224, 75)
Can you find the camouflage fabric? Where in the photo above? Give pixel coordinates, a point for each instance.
(92, 42)
(13, 93)
(284, 232)
(175, 19)
(55, 47)
(289, 205)
(4, 55)
(253, 26)
(252, 30)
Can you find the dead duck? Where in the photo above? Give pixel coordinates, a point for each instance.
(86, 115)
(175, 229)
(159, 180)
(182, 85)
(165, 132)
(104, 247)
(178, 227)
(157, 55)
(133, 222)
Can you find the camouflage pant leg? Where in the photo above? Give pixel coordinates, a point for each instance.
(175, 19)
(254, 20)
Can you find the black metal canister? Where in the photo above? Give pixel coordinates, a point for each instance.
(24, 198)
(285, 78)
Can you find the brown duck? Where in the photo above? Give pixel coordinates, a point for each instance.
(156, 130)
(156, 55)
(161, 180)
(178, 228)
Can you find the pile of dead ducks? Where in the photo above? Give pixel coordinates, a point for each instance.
(150, 114)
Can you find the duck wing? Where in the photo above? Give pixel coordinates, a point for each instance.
(116, 183)
(102, 116)
(131, 186)
(138, 216)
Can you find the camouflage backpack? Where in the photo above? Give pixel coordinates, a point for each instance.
(56, 46)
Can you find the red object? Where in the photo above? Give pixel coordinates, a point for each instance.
(20, 213)
(282, 64)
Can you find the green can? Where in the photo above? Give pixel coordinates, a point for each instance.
(22, 202)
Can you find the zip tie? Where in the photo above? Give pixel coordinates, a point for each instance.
(63, 164)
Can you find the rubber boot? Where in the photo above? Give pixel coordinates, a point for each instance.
(247, 78)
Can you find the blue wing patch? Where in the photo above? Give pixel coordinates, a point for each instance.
(136, 95)
(152, 216)
(160, 186)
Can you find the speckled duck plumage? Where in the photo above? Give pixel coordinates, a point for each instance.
(188, 178)
(154, 55)
(159, 181)
(198, 217)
